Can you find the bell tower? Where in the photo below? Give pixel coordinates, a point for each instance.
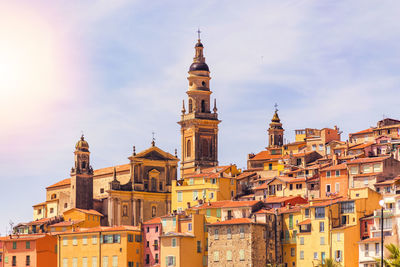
(199, 124)
(82, 177)
(275, 132)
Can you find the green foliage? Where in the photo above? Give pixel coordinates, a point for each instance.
(329, 262)
(394, 258)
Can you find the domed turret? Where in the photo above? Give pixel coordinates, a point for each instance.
(199, 61)
(82, 145)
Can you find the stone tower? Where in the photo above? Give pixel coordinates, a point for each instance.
(275, 132)
(82, 177)
(199, 126)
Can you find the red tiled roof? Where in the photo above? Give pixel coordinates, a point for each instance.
(22, 237)
(227, 204)
(288, 209)
(102, 229)
(60, 183)
(308, 221)
(367, 160)
(265, 155)
(302, 154)
(366, 174)
(369, 130)
(40, 204)
(110, 170)
(245, 175)
(279, 199)
(156, 220)
(263, 211)
(361, 146)
(336, 167)
(233, 221)
(387, 182)
(93, 212)
(41, 221)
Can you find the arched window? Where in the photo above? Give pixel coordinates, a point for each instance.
(190, 105)
(83, 165)
(153, 184)
(153, 211)
(53, 196)
(203, 106)
(188, 149)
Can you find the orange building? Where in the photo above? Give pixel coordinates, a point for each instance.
(37, 250)
(334, 180)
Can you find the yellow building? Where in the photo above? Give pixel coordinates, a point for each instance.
(281, 186)
(77, 218)
(100, 246)
(290, 217)
(209, 185)
(293, 148)
(183, 240)
(329, 228)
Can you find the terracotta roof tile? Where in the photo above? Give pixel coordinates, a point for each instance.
(227, 204)
(369, 130)
(367, 160)
(102, 229)
(361, 146)
(66, 223)
(156, 220)
(40, 204)
(265, 155)
(371, 239)
(110, 170)
(308, 221)
(60, 183)
(93, 212)
(336, 167)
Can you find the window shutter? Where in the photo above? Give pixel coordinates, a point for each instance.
(166, 261)
(173, 260)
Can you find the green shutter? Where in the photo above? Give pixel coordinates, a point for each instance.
(173, 261)
(219, 213)
(208, 212)
(291, 221)
(166, 261)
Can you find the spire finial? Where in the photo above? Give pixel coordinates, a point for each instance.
(115, 174)
(153, 142)
(198, 33)
(134, 150)
(176, 153)
(82, 136)
(276, 107)
(215, 106)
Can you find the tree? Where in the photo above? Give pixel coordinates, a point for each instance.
(329, 262)
(394, 257)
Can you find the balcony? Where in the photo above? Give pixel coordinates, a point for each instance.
(289, 241)
(387, 213)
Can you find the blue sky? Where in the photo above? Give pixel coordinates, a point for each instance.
(117, 70)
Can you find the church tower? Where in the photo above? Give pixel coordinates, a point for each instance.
(275, 133)
(199, 125)
(82, 177)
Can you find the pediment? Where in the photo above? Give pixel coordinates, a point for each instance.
(155, 153)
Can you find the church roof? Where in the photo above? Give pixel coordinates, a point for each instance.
(60, 183)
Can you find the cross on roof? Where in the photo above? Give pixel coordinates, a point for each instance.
(198, 33)
(276, 107)
(153, 139)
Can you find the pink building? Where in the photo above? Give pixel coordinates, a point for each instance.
(151, 242)
(36, 250)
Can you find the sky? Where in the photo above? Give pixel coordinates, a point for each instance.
(117, 71)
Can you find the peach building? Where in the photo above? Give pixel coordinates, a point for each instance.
(36, 250)
(151, 230)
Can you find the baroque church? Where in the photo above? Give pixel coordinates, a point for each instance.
(141, 189)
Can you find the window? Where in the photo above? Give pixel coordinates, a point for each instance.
(155, 244)
(321, 147)
(204, 193)
(147, 244)
(242, 232)
(195, 195)
(101, 190)
(218, 213)
(299, 186)
(171, 261)
(39, 211)
(131, 264)
(241, 255)
(328, 188)
(156, 229)
(84, 240)
(301, 255)
(290, 221)
(84, 262)
(301, 240)
(28, 260)
(377, 249)
(320, 212)
(292, 252)
(189, 226)
(366, 181)
(290, 186)
(115, 261)
(51, 210)
(28, 244)
(367, 168)
(147, 229)
(147, 258)
(65, 262)
(314, 147)
(208, 212)
(74, 241)
(189, 143)
(347, 207)
(216, 256)
(279, 187)
(156, 258)
(65, 241)
(229, 233)
(211, 195)
(322, 240)
(328, 150)
(315, 255)
(337, 187)
(338, 255)
(14, 245)
(338, 237)
(94, 239)
(270, 166)
(216, 234)
(354, 170)
(377, 167)
(307, 213)
(105, 261)
(321, 227)
(130, 238)
(179, 196)
(74, 262)
(173, 242)
(366, 250)
(328, 174)
(323, 257)
(229, 255)
(337, 173)
(198, 246)
(94, 261)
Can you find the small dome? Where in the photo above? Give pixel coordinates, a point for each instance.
(275, 118)
(82, 145)
(198, 66)
(198, 44)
